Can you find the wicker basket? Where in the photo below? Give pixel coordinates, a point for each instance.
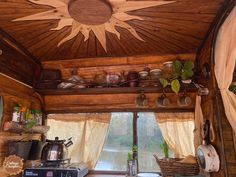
(170, 167)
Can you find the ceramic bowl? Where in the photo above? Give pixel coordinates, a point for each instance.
(156, 73)
(143, 74)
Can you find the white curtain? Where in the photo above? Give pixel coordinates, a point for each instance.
(225, 57)
(177, 131)
(88, 132)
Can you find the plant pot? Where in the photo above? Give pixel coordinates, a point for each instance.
(132, 168)
(20, 148)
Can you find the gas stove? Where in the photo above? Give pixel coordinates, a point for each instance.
(68, 170)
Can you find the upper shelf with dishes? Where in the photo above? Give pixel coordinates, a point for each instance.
(174, 76)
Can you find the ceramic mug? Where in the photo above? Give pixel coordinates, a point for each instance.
(163, 101)
(184, 100)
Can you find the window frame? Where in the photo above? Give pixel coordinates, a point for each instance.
(135, 142)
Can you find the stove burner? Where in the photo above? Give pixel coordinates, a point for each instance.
(57, 163)
(68, 170)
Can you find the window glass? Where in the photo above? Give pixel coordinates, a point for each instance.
(149, 142)
(118, 143)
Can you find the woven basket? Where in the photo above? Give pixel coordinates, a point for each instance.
(170, 167)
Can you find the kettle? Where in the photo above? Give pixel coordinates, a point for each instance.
(55, 150)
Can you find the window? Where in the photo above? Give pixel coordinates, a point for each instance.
(118, 143)
(121, 136)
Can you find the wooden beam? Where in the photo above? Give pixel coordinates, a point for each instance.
(116, 61)
(109, 103)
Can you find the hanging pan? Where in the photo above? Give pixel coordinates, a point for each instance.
(207, 156)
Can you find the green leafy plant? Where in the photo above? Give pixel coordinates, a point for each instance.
(30, 124)
(175, 85)
(181, 70)
(130, 156)
(133, 155)
(165, 149)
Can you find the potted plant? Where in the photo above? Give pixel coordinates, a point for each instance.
(132, 167)
(183, 70)
(165, 149)
(180, 71)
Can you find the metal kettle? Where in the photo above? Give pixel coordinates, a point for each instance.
(55, 150)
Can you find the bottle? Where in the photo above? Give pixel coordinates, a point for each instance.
(38, 117)
(16, 114)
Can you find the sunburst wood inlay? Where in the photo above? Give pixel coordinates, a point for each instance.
(114, 14)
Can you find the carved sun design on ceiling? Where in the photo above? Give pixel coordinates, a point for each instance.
(97, 16)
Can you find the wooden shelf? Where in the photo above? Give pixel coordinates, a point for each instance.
(110, 90)
(14, 127)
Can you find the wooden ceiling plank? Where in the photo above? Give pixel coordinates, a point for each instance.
(181, 41)
(188, 7)
(131, 42)
(170, 45)
(82, 48)
(77, 42)
(111, 49)
(197, 17)
(46, 44)
(91, 48)
(185, 22)
(189, 28)
(53, 50)
(190, 39)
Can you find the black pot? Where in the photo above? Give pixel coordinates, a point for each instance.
(20, 148)
(36, 150)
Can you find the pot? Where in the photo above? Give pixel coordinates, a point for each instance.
(207, 156)
(55, 150)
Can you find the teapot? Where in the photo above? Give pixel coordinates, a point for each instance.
(55, 150)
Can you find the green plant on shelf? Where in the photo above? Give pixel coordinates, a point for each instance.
(130, 156)
(181, 71)
(30, 121)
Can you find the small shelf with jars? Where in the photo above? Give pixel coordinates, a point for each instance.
(25, 120)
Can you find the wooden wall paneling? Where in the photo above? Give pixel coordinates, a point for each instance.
(212, 105)
(16, 62)
(15, 92)
(88, 68)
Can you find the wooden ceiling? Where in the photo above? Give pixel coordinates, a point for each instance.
(173, 28)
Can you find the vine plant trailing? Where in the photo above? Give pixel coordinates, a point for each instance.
(181, 71)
